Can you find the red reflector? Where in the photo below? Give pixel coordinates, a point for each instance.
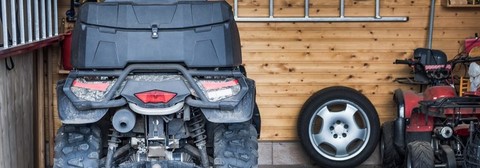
(155, 96)
(211, 85)
(100, 86)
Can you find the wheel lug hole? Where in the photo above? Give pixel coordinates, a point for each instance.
(331, 128)
(344, 135)
(345, 126)
(338, 122)
(335, 136)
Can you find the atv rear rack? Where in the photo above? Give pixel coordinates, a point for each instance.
(438, 107)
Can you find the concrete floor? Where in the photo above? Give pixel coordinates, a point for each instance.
(291, 155)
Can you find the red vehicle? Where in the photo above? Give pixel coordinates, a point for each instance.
(437, 127)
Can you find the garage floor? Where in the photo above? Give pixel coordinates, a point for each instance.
(291, 155)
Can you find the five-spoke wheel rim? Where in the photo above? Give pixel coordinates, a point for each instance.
(339, 130)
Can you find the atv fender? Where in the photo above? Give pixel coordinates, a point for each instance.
(399, 123)
(68, 114)
(241, 113)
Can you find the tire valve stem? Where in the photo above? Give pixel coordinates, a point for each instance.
(197, 129)
(112, 147)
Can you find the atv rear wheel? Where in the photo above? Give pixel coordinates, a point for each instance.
(77, 146)
(420, 155)
(338, 127)
(388, 152)
(235, 146)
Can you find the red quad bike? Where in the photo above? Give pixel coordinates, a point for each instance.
(434, 128)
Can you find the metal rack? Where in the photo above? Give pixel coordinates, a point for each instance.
(308, 18)
(41, 22)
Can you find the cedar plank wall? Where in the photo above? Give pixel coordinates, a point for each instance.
(16, 113)
(291, 61)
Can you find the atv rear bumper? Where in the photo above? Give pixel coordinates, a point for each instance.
(238, 108)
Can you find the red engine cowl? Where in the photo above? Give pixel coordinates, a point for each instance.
(436, 92)
(419, 122)
(411, 100)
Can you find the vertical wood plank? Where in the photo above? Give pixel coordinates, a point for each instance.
(11, 118)
(51, 128)
(19, 110)
(16, 113)
(31, 111)
(40, 114)
(3, 120)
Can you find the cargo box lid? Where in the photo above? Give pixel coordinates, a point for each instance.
(128, 15)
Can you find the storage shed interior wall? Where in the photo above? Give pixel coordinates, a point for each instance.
(17, 112)
(291, 61)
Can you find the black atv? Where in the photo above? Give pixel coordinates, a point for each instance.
(157, 84)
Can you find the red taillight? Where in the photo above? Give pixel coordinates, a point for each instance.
(100, 86)
(155, 96)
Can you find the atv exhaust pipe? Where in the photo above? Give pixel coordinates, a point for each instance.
(123, 121)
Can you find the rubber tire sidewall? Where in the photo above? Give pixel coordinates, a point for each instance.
(390, 158)
(323, 96)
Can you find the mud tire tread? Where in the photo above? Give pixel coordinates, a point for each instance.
(77, 146)
(421, 154)
(235, 145)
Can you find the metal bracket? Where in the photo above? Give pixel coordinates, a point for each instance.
(307, 18)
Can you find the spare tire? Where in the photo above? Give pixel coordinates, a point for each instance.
(338, 127)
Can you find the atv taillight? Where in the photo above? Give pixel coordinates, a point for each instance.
(99, 86)
(92, 88)
(155, 96)
(216, 90)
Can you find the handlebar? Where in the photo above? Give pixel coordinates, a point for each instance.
(465, 60)
(408, 62)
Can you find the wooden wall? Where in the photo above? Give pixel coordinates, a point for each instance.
(17, 113)
(290, 61)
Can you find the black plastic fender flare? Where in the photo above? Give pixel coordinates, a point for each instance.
(242, 112)
(399, 123)
(69, 114)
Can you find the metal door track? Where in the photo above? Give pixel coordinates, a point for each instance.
(307, 18)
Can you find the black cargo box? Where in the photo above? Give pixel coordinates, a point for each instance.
(198, 34)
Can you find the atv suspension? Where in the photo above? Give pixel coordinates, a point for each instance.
(197, 128)
(112, 147)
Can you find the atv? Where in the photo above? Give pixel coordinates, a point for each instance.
(436, 127)
(156, 84)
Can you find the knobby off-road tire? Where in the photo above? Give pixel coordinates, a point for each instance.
(338, 127)
(390, 156)
(236, 146)
(420, 155)
(472, 152)
(77, 146)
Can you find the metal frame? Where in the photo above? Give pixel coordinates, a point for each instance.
(308, 18)
(30, 25)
